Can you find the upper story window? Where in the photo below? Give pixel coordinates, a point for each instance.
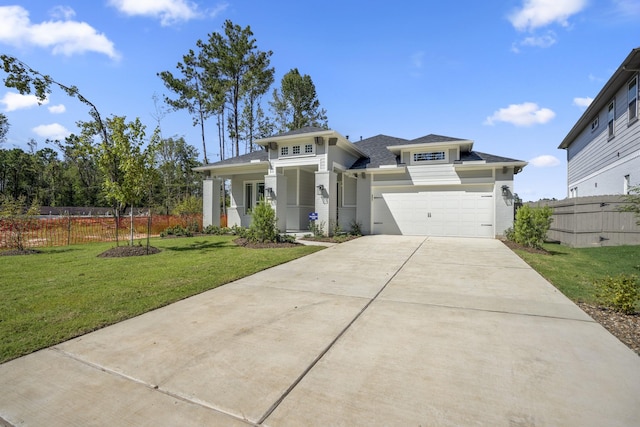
(594, 124)
(632, 99)
(429, 156)
(611, 117)
(297, 150)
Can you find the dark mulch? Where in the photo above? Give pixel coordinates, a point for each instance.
(12, 252)
(241, 241)
(333, 239)
(514, 245)
(125, 251)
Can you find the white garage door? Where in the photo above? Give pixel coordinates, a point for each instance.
(433, 213)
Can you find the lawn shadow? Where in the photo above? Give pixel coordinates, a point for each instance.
(199, 245)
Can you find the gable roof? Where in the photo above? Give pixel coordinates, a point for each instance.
(375, 150)
(622, 75)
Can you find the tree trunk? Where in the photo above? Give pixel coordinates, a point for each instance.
(131, 226)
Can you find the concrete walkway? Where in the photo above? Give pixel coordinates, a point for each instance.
(382, 330)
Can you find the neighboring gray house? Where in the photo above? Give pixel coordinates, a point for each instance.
(434, 185)
(603, 147)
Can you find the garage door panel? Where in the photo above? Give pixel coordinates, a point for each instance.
(435, 213)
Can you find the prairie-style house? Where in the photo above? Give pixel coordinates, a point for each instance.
(433, 186)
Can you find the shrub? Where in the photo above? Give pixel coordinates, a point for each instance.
(620, 293)
(18, 220)
(317, 228)
(356, 228)
(177, 230)
(531, 225)
(263, 224)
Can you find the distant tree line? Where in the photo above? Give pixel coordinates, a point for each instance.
(112, 162)
(75, 178)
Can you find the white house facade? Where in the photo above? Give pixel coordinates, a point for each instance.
(433, 186)
(603, 147)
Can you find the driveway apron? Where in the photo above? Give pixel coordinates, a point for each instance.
(381, 330)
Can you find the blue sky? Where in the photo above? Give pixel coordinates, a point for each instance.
(513, 76)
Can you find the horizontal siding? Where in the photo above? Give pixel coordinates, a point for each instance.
(433, 174)
(593, 151)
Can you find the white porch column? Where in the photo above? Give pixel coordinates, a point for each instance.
(211, 202)
(277, 197)
(326, 199)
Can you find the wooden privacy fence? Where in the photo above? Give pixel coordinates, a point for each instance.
(68, 230)
(582, 222)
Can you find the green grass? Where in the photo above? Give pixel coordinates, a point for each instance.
(66, 292)
(573, 270)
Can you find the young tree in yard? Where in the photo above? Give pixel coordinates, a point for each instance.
(16, 219)
(297, 105)
(124, 162)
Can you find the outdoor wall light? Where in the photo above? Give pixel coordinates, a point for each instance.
(269, 192)
(505, 190)
(320, 190)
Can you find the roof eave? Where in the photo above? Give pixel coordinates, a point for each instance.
(395, 149)
(252, 166)
(607, 92)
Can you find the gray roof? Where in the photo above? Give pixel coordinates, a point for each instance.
(260, 154)
(378, 154)
(375, 149)
(307, 129)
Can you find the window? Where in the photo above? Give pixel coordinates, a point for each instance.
(594, 124)
(284, 151)
(611, 117)
(308, 149)
(429, 157)
(296, 150)
(632, 99)
(253, 193)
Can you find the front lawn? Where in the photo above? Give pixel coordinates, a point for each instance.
(68, 291)
(573, 270)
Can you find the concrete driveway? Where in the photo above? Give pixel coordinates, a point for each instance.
(382, 330)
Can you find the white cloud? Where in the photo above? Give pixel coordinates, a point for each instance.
(525, 114)
(52, 131)
(57, 109)
(540, 13)
(62, 36)
(582, 102)
(545, 161)
(14, 101)
(547, 40)
(168, 11)
(62, 12)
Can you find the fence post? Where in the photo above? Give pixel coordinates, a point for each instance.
(69, 230)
